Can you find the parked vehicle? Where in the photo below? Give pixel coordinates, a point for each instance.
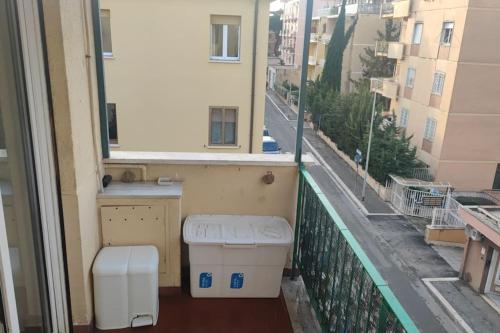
(270, 146)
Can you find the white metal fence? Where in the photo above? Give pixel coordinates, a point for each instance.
(447, 218)
(422, 174)
(414, 202)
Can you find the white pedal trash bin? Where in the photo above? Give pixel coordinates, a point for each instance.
(237, 256)
(126, 287)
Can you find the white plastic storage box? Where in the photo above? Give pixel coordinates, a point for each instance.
(126, 287)
(236, 256)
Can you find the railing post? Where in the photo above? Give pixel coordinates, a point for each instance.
(303, 82)
(298, 219)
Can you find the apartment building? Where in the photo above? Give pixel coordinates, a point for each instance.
(446, 87)
(176, 91)
(290, 29)
(365, 35)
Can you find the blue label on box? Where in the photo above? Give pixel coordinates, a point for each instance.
(205, 280)
(237, 280)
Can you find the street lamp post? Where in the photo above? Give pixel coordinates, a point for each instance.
(363, 193)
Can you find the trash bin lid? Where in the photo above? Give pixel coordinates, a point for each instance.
(237, 229)
(143, 259)
(112, 260)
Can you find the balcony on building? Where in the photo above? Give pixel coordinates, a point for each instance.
(395, 9)
(152, 193)
(386, 87)
(350, 9)
(312, 61)
(391, 50)
(314, 37)
(325, 38)
(332, 11)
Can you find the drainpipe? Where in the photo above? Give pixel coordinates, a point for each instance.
(254, 59)
(101, 94)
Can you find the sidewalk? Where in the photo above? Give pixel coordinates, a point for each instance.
(373, 203)
(466, 306)
(288, 112)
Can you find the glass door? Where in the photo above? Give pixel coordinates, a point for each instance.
(31, 266)
(2, 317)
(21, 221)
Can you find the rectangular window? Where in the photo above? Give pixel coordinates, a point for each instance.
(403, 120)
(112, 123)
(447, 33)
(430, 129)
(437, 86)
(496, 180)
(410, 77)
(107, 49)
(225, 38)
(223, 126)
(417, 33)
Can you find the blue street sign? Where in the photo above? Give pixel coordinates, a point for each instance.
(358, 157)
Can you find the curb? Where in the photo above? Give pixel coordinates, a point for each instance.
(445, 304)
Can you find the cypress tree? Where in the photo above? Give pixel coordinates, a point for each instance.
(332, 71)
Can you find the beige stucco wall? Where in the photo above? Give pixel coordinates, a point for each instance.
(465, 150)
(473, 264)
(471, 143)
(163, 82)
(229, 189)
(72, 80)
(443, 236)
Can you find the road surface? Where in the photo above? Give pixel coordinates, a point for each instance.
(395, 247)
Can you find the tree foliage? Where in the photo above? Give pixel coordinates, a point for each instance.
(374, 66)
(345, 118)
(391, 151)
(332, 71)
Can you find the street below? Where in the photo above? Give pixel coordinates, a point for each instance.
(394, 245)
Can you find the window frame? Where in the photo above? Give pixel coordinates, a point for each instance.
(421, 24)
(112, 142)
(224, 57)
(430, 129)
(414, 71)
(406, 112)
(106, 54)
(442, 41)
(223, 108)
(440, 83)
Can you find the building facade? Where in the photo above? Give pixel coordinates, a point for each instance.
(365, 35)
(290, 29)
(162, 98)
(446, 87)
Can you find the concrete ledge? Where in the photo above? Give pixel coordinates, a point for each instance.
(445, 236)
(176, 158)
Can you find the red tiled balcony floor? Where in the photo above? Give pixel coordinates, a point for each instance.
(180, 313)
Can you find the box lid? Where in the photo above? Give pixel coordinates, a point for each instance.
(112, 260)
(237, 229)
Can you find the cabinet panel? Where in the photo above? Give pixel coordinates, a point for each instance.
(136, 225)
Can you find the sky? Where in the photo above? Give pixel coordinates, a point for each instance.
(275, 5)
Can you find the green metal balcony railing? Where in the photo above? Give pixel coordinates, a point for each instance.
(346, 291)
